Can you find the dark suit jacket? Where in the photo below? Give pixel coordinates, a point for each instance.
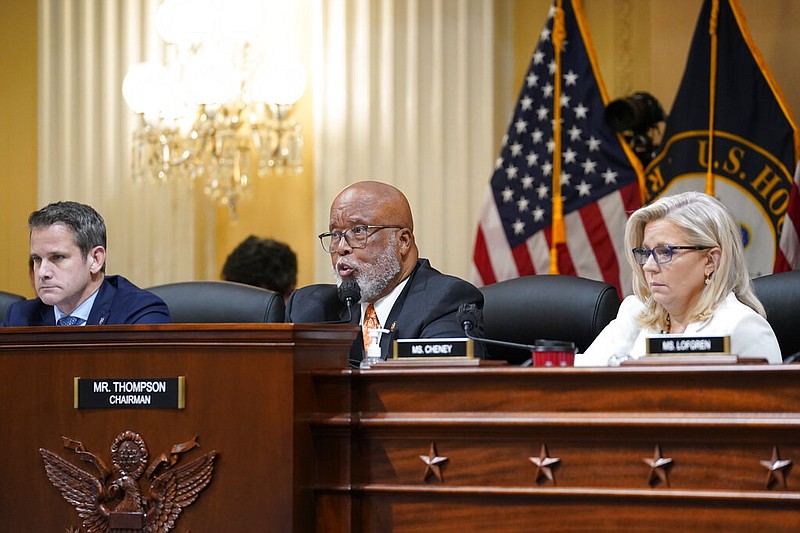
(118, 302)
(426, 308)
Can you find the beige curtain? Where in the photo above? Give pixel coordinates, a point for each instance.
(85, 48)
(404, 93)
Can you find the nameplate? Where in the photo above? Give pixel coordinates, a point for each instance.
(434, 349)
(680, 344)
(133, 393)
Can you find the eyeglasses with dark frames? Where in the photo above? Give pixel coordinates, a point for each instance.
(662, 254)
(355, 237)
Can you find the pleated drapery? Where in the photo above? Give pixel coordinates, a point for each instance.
(403, 92)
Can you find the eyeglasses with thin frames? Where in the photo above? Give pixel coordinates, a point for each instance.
(355, 237)
(662, 254)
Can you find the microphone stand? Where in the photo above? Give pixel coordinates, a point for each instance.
(468, 326)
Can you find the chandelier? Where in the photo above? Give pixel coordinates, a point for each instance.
(218, 110)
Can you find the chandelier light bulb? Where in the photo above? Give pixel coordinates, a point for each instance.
(185, 22)
(146, 87)
(217, 113)
(280, 81)
(243, 20)
(210, 78)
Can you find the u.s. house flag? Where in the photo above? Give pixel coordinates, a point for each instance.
(731, 134)
(565, 182)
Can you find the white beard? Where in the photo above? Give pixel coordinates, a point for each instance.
(373, 278)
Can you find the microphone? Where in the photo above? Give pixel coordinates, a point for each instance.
(349, 293)
(470, 314)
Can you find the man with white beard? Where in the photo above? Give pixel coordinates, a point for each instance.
(371, 241)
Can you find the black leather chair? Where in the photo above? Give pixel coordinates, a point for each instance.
(552, 307)
(219, 302)
(780, 294)
(6, 299)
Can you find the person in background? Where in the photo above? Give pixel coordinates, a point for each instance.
(689, 277)
(371, 240)
(262, 263)
(67, 268)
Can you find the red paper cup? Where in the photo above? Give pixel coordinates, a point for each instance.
(553, 353)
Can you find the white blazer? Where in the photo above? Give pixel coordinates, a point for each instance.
(751, 335)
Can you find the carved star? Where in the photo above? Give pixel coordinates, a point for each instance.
(659, 468)
(433, 463)
(544, 465)
(777, 469)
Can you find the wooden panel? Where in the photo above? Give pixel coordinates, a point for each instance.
(308, 445)
(434, 513)
(240, 388)
(715, 424)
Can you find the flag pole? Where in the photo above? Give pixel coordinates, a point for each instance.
(559, 232)
(712, 94)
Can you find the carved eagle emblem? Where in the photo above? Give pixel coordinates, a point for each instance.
(115, 496)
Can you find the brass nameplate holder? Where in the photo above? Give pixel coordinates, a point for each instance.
(434, 349)
(682, 345)
(130, 393)
(683, 350)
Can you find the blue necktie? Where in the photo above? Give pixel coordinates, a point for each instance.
(68, 320)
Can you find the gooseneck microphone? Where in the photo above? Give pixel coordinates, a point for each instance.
(470, 314)
(349, 294)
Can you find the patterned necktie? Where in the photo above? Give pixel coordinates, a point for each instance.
(68, 320)
(370, 322)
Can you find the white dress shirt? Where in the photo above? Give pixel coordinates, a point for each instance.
(384, 306)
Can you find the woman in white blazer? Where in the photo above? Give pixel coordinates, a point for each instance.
(690, 278)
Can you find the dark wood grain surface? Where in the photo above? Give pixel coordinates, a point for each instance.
(600, 428)
(306, 444)
(240, 400)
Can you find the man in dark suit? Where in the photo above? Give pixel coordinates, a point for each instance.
(371, 240)
(68, 254)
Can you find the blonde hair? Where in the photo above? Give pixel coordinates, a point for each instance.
(706, 222)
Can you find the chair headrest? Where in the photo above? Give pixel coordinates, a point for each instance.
(553, 307)
(6, 299)
(780, 295)
(220, 302)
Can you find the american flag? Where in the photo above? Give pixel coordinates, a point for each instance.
(788, 257)
(599, 174)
